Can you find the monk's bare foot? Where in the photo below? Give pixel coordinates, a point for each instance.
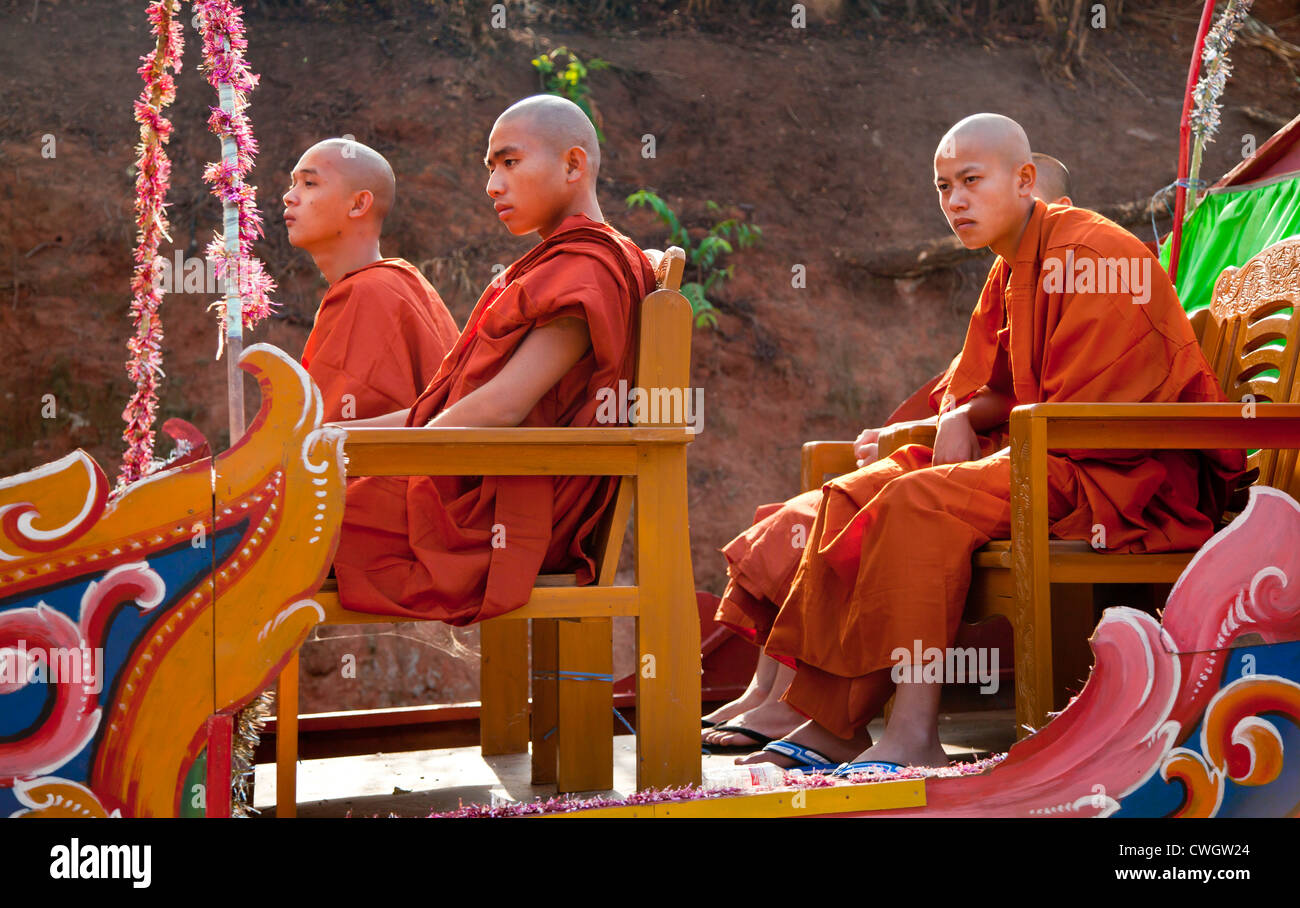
(774, 719)
(811, 735)
(768, 684)
(905, 753)
(753, 697)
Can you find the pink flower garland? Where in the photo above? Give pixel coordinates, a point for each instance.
(223, 62)
(223, 48)
(153, 170)
(566, 804)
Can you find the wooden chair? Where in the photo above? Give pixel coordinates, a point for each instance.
(572, 690)
(1044, 587)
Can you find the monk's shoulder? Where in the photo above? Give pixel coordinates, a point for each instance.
(1086, 231)
(1123, 271)
(568, 273)
(390, 287)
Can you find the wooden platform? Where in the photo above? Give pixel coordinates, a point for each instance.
(418, 783)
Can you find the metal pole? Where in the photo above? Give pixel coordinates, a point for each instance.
(1184, 134)
(234, 303)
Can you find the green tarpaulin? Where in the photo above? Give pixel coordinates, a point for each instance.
(1227, 228)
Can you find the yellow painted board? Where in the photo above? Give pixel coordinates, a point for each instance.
(785, 802)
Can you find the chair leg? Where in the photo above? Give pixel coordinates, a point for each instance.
(1034, 675)
(545, 712)
(1031, 570)
(503, 687)
(286, 741)
(1072, 624)
(668, 628)
(1060, 659)
(585, 727)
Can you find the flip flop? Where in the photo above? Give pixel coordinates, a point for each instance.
(866, 767)
(707, 723)
(757, 739)
(808, 759)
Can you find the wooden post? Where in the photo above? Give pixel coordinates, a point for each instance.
(668, 626)
(286, 741)
(546, 654)
(216, 793)
(1029, 553)
(585, 750)
(1073, 620)
(503, 687)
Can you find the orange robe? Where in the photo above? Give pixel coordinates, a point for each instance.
(887, 556)
(426, 547)
(379, 335)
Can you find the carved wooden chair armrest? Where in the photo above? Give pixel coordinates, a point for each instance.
(835, 458)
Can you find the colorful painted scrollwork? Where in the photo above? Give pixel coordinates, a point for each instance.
(126, 622)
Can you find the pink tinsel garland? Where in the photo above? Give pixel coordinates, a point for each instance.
(690, 793)
(223, 62)
(153, 170)
(224, 44)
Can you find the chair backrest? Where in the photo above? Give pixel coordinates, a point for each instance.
(663, 362)
(668, 267)
(1200, 320)
(1253, 341)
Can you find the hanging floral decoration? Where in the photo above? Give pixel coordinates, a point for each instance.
(222, 26)
(224, 44)
(1215, 70)
(152, 174)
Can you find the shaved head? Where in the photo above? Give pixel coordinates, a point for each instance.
(542, 158)
(1053, 178)
(360, 167)
(558, 123)
(987, 134)
(985, 175)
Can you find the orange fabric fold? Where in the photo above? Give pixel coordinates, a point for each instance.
(887, 559)
(378, 338)
(463, 549)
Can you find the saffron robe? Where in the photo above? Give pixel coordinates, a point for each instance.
(887, 557)
(379, 335)
(466, 548)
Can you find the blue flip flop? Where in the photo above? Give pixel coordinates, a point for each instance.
(866, 767)
(808, 759)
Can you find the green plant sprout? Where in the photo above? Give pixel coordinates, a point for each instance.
(704, 257)
(570, 81)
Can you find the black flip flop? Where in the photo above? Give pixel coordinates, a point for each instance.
(760, 740)
(707, 723)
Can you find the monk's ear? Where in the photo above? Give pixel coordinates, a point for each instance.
(362, 202)
(576, 163)
(1026, 178)
(1064, 200)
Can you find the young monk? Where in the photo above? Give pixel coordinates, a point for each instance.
(759, 714)
(557, 326)
(381, 330)
(886, 565)
(1052, 185)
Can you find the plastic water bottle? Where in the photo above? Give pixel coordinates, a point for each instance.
(751, 776)
(499, 797)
